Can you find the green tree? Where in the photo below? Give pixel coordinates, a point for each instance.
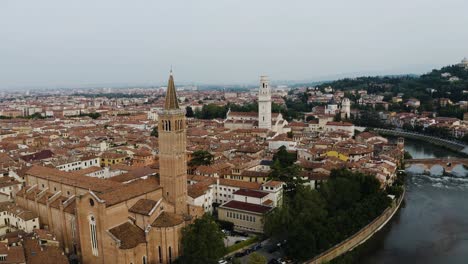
(337, 117)
(284, 157)
(465, 139)
(202, 242)
(284, 169)
(154, 132)
(256, 258)
(201, 157)
(94, 115)
(189, 112)
(312, 221)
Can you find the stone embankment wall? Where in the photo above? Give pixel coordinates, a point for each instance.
(360, 237)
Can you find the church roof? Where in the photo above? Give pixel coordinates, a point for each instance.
(143, 206)
(171, 96)
(167, 219)
(129, 191)
(129, 235)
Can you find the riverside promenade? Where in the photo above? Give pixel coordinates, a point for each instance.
(359, 237)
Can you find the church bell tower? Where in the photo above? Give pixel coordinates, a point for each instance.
(172, 150)
(264, 104)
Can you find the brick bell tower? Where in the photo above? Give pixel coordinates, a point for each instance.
(172, 150)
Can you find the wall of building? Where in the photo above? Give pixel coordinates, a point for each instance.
(241, 220)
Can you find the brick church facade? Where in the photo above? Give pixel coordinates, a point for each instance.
(109, 222)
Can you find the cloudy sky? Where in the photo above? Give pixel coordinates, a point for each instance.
(98, 42)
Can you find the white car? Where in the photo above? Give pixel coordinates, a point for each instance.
(222, 262)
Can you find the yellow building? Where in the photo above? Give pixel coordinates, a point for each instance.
(110, 158)
(336, 154)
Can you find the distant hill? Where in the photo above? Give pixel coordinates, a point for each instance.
(441, 83)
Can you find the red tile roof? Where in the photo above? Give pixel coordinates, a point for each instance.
(254, 208)
(251, 193)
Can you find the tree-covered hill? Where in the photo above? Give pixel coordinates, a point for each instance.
(425, 87)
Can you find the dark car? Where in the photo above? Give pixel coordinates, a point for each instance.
(256, 247)
(239, 254)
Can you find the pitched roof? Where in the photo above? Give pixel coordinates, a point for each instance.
(249, 207)
(128, 191)
(251, 193)
(35, 254)
(129, 235)
(166, 219)
(13, 254)
(143, 206)
(72, 179)
(171, 97)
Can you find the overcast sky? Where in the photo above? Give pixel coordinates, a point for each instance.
(87, 42)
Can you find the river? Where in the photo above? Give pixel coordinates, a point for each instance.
(432, 225)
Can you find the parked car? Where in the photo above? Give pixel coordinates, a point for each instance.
(239, 254)
(281, 261)
(222, 261)
(256, 247)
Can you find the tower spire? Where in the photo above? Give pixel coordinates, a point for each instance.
(171, 96)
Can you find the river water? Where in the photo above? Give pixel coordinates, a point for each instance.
(432, 225)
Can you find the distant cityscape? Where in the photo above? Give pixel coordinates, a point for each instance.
(128, 175)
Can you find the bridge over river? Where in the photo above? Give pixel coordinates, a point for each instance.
(448, 164)
(453, 145)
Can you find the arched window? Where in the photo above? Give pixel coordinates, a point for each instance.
(144, 259)
(92, 229)
(160, 254)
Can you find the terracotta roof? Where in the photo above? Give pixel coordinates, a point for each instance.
(35, 254)
(129, 235)
(250, 114)
(166, 219)
(251, 193)
(273, 183)
(240, 184)
(43, 154)
(128, 191)
(198, 189)
(249, 207)
(72, 179)
(13, 254)
(143, 206)
(339, 124)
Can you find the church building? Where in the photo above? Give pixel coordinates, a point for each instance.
(264, 119)
(109, 222)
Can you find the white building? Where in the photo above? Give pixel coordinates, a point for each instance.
(340, 126)
(264, 104)
(14, 217)
(78, 163)
(345, 108)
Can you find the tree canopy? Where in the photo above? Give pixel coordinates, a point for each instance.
(256, 258)
(201, 157)
(202, 242)
(284, 169)
(314, 220)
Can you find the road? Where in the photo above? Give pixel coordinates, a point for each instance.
(266, 246)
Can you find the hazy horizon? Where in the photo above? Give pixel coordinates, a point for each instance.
(54, 43)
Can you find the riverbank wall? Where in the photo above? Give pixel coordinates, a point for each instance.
(452, 145)
(361, 236)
